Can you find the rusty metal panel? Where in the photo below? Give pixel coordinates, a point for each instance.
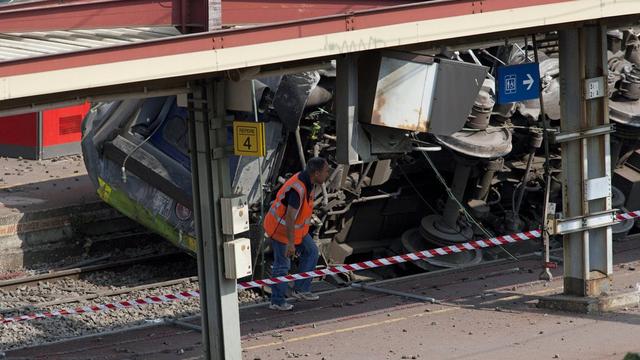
(403, 94)
(424, 94)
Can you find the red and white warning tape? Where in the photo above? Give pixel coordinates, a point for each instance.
(420, 255)
(628, 215)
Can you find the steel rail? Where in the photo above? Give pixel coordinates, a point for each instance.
(76, 272)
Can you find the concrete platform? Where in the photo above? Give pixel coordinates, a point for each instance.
(589, 305)
(45, 206)
(488, 312)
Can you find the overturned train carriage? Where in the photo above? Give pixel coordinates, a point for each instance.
(389, 191)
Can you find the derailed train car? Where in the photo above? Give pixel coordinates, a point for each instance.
(388, 192)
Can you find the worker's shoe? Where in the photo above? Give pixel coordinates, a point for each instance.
(283, 307)
(305, 296)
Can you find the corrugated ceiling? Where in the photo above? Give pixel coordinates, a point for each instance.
(16, 46)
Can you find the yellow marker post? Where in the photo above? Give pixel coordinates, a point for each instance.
(249, 138)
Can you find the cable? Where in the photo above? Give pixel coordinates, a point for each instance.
(491, 56)
(546, 274)
(416, 190)
(164, 111)
(513, 197)
(461, 207)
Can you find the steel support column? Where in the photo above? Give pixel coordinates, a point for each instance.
(211, 182)
(351, 137)
(587, 254)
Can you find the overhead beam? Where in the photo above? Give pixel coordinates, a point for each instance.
(70, 15)
(188, 15)
(212, 52)
(236, 12)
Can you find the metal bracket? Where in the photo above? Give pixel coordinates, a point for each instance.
(217, 42)
(182, 99)
(350, 21)
(581, 223)
(572, 136)
(222, 152)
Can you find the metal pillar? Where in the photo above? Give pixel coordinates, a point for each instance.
(211, 181)
(586, 161)
(352, 146)
(39, 152)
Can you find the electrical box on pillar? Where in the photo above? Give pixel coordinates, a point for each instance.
(235, 215)
(237, 258)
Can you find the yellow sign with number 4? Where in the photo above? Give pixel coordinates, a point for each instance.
(249, 138)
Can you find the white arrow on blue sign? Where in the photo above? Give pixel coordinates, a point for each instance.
(518, 82)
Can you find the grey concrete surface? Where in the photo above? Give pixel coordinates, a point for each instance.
(47, 208)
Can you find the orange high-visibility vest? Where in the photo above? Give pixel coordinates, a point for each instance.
(275, 224)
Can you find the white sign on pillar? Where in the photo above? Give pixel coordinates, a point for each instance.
(594, 88)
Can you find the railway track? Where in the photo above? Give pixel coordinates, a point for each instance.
(85, 283)
(78, 271)
(111, 293)
(94, 281)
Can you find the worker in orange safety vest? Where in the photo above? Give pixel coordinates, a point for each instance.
(287, 225)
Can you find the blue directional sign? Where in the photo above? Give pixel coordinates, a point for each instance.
(518, 82)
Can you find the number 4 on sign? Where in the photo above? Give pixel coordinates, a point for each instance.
(249, 138)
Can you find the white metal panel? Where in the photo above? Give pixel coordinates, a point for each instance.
(404, 94)
(597, 188)
(235, 215)
(237, 258)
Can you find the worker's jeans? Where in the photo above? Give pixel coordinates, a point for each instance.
(308, 259)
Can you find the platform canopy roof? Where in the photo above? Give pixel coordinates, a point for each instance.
(171, 61)
(20, 46)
